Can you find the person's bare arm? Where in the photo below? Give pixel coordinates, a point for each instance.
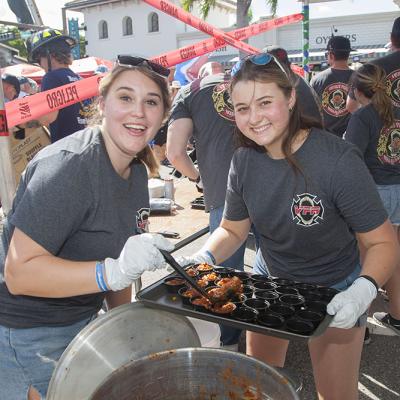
(48, 118)
(115, 299)
(352, 105)
(31, 270)
(179, 133)
(382, 252)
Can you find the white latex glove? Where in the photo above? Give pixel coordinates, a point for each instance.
(139, 254)
(349, 305)
(197, 258)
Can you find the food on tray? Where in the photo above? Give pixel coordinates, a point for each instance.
(191, 272)
(203, 302)
(212, 276)
(202, 282)
(230, 287)
(191, 293)
(223, 308)
(204, 267)
(174, 282)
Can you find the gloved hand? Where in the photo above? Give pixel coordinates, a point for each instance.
(349, 305)
(197, 258)
(139, 254)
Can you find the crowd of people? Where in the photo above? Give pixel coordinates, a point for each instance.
(265, 141)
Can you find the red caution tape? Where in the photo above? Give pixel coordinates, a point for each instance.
(207, 46)
(28, 108)
(3, 124)
(187, 18)
(23, 110)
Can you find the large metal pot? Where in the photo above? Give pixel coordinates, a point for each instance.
(196, 374)
(125, 333)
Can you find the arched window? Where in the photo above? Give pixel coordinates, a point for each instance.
(127, 29)
(153, 22)
(103, 30)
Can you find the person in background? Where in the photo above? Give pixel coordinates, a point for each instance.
(309, 102)
(203, 109)
(304, 167)
(74, 236)
(391, 65)
(11, 87)
(332, 87)
(28, 86)
(175, 86)
(52, 51)
(375, 129)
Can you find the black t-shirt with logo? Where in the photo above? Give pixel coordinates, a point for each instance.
(306, 226)
(206, 101)
(380, 146)
(332, 88)
(391, 65)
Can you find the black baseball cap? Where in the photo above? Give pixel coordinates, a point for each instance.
(339, 43)
(396, 27)
(13, 81)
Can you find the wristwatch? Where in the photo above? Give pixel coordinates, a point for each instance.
(197, 180)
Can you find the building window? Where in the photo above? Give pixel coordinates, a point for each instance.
(153, 22)
(103, 30)
(127, 29)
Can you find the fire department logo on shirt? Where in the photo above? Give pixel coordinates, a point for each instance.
(142, 220)
(389, 144)
(393, 82)
(222, 101)
(306, 211)
(334, 99)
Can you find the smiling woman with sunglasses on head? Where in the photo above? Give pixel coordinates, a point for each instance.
(307, 192)
(73, 237)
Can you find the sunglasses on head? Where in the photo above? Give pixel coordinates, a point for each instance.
(131, 62)
(258, 59)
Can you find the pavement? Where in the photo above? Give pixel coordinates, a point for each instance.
(380, 364)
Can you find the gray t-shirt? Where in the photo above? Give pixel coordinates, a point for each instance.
(380, 146)
(71, 201)
(332, 88)
(306, 226)
(206, 101)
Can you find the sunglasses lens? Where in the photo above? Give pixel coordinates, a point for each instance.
(261, 59)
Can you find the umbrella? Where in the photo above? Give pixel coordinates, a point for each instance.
(28, 70)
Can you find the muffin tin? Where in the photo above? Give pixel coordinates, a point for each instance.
(286, 309)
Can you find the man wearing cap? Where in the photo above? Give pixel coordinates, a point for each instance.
(391, 65)
(308, 100)
(52, 51)
(332, 85)
(11, 87)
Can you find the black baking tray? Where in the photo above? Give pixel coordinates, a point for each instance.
(157, 296)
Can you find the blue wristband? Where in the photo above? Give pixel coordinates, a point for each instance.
(100, 276)
(211, 255)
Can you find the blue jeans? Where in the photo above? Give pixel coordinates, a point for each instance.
(28, 357)
(390, 196)
(229, 335)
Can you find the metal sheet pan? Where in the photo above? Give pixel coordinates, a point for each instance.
(157, 296)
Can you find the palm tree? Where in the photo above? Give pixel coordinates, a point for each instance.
(242, 9)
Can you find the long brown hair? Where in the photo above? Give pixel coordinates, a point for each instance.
(271, 73)
(370, 80)
(146, 155)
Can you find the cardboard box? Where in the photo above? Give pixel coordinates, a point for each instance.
(23, 150)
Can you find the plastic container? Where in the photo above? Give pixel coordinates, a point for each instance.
(209, 332)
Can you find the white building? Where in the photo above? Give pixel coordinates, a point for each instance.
(133, 27)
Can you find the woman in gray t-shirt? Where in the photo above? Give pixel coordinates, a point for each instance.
(73, 237)
(307, 192)
(375, 129)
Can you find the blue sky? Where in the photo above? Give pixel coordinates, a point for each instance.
(327, 9)
(51, 9)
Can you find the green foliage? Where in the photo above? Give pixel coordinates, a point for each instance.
(18, 44)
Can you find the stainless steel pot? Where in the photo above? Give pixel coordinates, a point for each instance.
(126, 333)
(196, 374)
